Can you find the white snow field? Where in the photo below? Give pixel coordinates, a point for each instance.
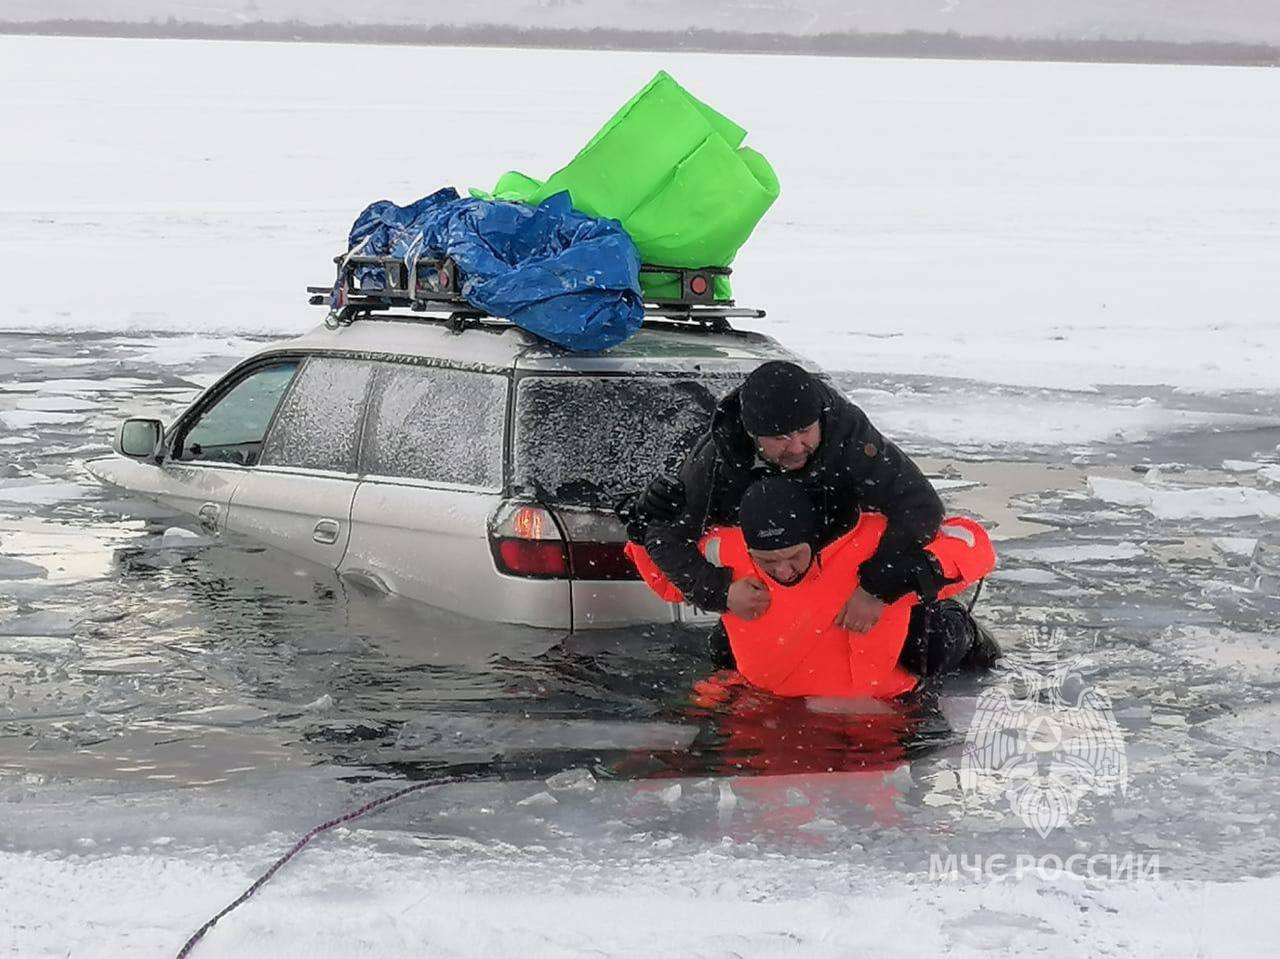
(1054, 225)
(355, 902)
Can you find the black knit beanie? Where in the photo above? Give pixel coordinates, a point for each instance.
(777, 512)
(779, 397)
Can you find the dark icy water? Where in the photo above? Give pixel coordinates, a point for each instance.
(141, 664)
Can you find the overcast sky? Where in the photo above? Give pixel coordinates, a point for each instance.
(1249, 21)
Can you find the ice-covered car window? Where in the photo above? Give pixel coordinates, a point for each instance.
(585, 440)
(318, 426)
(436, 424)
(231, 430)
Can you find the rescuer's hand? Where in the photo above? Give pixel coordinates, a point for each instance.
(748, 598)
(861, 613)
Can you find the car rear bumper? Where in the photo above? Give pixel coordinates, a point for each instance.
(602, 605)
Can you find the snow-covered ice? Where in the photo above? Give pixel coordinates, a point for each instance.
(351, 900)
(1241, 466)
(1187, 503)
(186, 349)
(37, 493)
(1051, 225)
(54, 404)
(1030, 576)
(57, 360)
(1240, 547)
(1081, 553)
(1037, 418)
(78, 387)
(29, 419)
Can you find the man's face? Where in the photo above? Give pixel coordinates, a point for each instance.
(792, 450)
(786, 566)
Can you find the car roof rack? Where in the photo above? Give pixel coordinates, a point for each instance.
(431, 288)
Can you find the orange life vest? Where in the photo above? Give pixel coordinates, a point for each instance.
(795, 648)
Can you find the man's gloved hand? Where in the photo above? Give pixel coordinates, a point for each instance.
(916, 572)
(662, 501)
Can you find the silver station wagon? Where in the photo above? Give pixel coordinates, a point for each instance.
(470, 466)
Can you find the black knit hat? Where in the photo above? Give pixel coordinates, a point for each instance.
(779, 397)
(777, 512)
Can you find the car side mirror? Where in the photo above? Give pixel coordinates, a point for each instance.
(140, 439)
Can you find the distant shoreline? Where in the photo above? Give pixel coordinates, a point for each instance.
(911, 44)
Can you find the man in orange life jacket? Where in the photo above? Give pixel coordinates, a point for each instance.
(785, 421)
(780, 528)
(797, 647)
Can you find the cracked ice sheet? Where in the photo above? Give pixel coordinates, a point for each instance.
(1208, 502)
(1008, 417)
(55, 404)
(342, 898)
(29, 419)
(1241, 547)
(76, 386)
(1075, 553)
(182, 350)
(1255, 654)
(42, 494)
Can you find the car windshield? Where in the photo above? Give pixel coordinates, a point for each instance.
(585, 440)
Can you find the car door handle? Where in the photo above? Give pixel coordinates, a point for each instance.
(326, 532)
(208, 516)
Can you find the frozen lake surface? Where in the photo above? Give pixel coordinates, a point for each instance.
(174, 711)
(1055, 283)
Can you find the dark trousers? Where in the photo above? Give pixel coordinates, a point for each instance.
(942, 638)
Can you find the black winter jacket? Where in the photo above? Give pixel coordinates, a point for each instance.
(854, 468)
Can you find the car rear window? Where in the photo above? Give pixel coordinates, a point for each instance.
(585, 440)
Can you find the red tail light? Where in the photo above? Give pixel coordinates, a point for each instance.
(526, 542)
(519, 557)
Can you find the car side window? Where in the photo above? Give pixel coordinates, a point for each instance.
(436, 424)
(232, 429)
(318, 426)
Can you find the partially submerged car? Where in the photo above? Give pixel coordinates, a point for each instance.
(457, 460)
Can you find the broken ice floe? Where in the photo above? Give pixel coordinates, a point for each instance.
(1207, 502)
(1075, 553)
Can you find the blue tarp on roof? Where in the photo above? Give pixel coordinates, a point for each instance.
(570, 278)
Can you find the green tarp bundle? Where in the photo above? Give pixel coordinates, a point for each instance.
(675, 173)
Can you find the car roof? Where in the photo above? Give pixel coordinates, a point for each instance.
(494, 346)
(655, 348)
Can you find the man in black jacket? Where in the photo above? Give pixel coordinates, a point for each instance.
(784, 420)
